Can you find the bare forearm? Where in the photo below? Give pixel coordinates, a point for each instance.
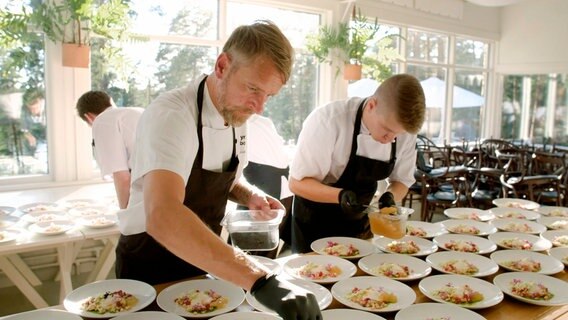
(398, 189)
(314, 190)
(183, 233)
(122, 186)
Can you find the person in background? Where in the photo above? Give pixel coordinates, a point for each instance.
(268, 168)
(33, 123)
(114, 132)
(344, 148)
(190, 152)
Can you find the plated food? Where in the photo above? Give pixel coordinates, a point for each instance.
(414, 246)
(515, 213)
(116, 292)
(533, 288)
(469, 214)
(342, 314)
(516, 203)
(51, 228)
(559, 238)
(395, 266)
(319, 268)
(8, 235)
(88, 211)
(79, 203)
(101, 221)
(44, 314)
(464, 291)
(554, 223)
(375, 294)
(527, 261)
(322, 294)
(436, 311)
(518, 225)
(424, 229)
(6, 210)
(462, 263)
(8, 221)
(551, 211)
(464, 243)
(44, 216)
(472, 227)
(520, 241)
(202, 298)
(344, 247)
(39, 207)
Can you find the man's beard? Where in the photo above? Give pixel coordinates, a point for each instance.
(235, 116)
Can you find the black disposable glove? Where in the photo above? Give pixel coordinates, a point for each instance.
(349, 203)
(386, 200)
(289, 301)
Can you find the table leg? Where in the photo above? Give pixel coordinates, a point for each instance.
(105, 261)
(65, 257)
(24, 269)
(20, 281)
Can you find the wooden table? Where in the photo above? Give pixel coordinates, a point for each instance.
(508, 309)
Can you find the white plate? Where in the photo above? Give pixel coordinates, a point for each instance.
(345, 314)
(79, 203)
(483, 228)
(559, 288)
(430, 310)
(516, 203)
(97, 222)
(272, 266)
(560, 253)
(515, 213)
(551, 211)
(484, 265)
(518, 225)
(5, 210)
(51, 228)
(89, 211)
(149, 315)
(294, 265)
(492, 295)
(8, 221)
(426, 246)
(554, 223)
(44, 315)
(365, 247)
(431, 229)
(248, 315)
(43, 216)
(469, 214)
(404, 294)
(483, 245)
(548, 264)
(8, 235)
(418, 268)
(538, 243)
(143, 291)
(553, 235)
(323, 296)
(39, 207)
(166, 298)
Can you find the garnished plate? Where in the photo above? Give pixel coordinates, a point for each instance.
(436, 287)
(320, 268)
(546, 290)
(471, 227)
(465, 243)
(527, 261)
(394, 266)
(516, 203)
(430, 310)
(424, 229)
(464, 263)
(469, 214)
(359, 248)
(521, 241)
(515, 213)
(406, 245)
(518, 225)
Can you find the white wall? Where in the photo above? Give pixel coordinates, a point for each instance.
(534, 37)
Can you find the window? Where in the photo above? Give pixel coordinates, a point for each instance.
(185, 44)
(535, 108)
(23, 111)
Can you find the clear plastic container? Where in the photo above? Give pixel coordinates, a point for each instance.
(254, 229)
(389, 225)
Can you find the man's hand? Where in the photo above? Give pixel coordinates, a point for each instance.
(349, 203)
(287, 300)
(386, 200)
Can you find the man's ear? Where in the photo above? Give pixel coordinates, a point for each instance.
(222, 65)
(90, 118)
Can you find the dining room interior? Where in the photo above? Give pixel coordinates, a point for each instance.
(494, 75)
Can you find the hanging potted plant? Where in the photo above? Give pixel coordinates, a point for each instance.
(74, 23)
(346, 43)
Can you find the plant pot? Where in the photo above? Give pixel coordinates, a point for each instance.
(352, 72)
(76, 56)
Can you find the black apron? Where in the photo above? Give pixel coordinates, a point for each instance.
(140, 257)
(313, 220)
